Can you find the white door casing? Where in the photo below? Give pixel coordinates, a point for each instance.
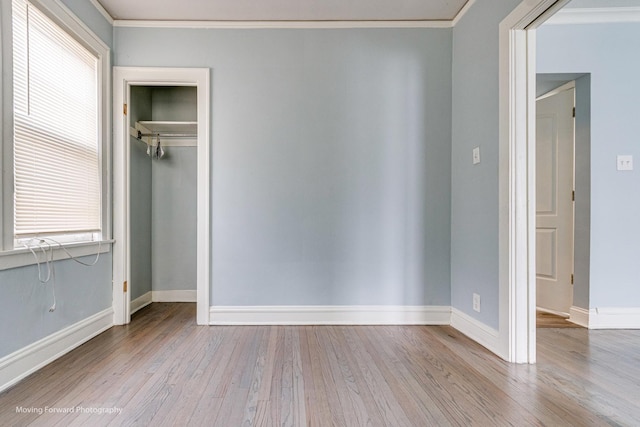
(123, 79)
(516, 215)
(554, 200)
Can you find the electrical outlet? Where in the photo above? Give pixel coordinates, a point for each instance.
(476, 155)
(625, 163)
(476, 302)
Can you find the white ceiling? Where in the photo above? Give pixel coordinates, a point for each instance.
(283, 10)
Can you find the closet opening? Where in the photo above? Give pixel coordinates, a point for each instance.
(162, 194)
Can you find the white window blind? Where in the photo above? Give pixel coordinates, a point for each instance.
(56, 129)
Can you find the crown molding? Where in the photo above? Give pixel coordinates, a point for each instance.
(282, 24)
(599, 15)
(102, 11)
(462, 12)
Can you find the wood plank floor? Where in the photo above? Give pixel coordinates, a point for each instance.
(548, 320)
(163, 370)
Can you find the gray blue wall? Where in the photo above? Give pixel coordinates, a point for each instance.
(609, 53)
(474, 192)
(330, 160)
(81, 291)
(140, 196)
(173, 197)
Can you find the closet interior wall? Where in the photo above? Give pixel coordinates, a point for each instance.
(162, 199)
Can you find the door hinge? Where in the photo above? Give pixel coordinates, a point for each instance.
(572, 278)
(125, 286)
(573, 196)
(574, 112)
(124, 109)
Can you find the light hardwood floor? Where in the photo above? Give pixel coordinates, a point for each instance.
(163, 370)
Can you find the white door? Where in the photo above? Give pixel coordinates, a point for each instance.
(554, 201)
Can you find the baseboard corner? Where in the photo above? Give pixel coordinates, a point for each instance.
(23, 362)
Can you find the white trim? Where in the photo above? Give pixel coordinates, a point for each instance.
(141, 302)
(29, 359)
(552, 92)
(477, 331)
(174, 296)
(330, 315)
(59, 12)
(596, 15)
(579, 316)
(243, 25)
(516, 213)
(22, 257)
(614, 318)
(123, 78)
(102, 11)
(462, 12)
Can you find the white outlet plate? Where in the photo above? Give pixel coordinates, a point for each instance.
(476, 302)
(625, 162)
(476, 155)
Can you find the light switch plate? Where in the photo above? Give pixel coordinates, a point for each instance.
(476, 155)
(625, 163)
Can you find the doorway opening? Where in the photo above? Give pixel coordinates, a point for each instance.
(162, 194)
(161, 189)
(562, 307)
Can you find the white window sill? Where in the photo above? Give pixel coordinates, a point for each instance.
(22, 256)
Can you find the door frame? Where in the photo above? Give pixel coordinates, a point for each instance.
(516, 213)
(123, 79)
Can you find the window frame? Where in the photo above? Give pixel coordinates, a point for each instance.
(11, 256)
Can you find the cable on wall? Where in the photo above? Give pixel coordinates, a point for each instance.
(44, 245)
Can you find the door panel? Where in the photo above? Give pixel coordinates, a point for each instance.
(554, 202)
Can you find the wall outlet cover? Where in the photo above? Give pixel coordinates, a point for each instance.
(625, 162)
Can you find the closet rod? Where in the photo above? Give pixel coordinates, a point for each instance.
(168, 135)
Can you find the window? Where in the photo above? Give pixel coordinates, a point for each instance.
(58, 187)
(55, 128)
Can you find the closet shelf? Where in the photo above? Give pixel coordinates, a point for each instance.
(172, 133)
(167, 128)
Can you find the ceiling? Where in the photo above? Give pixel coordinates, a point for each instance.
(283, 10)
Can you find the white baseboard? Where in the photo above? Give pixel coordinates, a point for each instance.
(29, 359)
(174, 296)
(141, 302)
(476, 330)
(579, 316)
(330, 315)
(614, 318)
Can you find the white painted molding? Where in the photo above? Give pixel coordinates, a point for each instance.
(102, 11)
(330, 315)
(174, 296)
(596, 15)
(141, 302)
(516, 166)
(242, 25)
(614, 318)
(22, 257)
(579, 316)
(123, 78)
(477, 331)
(29, 359)
(462, 12)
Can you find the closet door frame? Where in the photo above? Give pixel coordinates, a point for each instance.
(123, 79)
